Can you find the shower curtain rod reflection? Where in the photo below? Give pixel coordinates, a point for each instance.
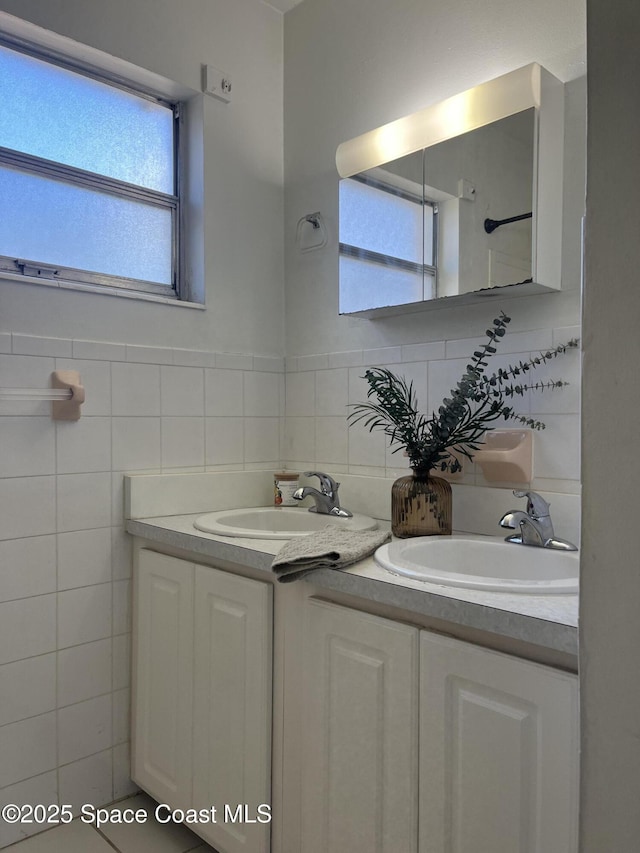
(490, 225)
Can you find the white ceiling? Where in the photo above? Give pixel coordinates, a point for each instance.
(282, 5)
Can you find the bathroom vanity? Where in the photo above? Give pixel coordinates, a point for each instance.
(371, 713)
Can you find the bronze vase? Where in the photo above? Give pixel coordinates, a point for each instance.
(421, 505)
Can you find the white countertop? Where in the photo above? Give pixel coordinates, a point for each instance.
(549, 621)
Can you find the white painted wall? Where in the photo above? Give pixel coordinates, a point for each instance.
(243, 174)
(610, 583)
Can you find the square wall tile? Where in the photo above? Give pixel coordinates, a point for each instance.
(556, 449)
(332, 440)
(96, 378)
(27, 507)
(224, 441)
(224, 395)
(300, 394)
(27, 628)
(27, 688)
(84, 729)
(300, 438)
(28, 447)
(84, 501)
(27, 567)
(88, 781)
(84, 558)
(84, 672)
(136, 443)
(135, 389)
(35, 791)
(182, 442)
(261, 394)
(23, 371)
(83, 446)
(182, 391)
(366, 448)
(332, 392)
(261, 440)
(84, 615)
(28, 748)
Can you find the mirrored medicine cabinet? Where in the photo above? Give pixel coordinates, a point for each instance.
(459, 200)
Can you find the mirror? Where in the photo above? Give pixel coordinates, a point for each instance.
(460, 216)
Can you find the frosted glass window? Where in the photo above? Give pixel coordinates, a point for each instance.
(380, 221)
(88, 178)
(84, 229)
(60, 115)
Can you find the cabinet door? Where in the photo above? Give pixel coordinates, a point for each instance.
(163, 644)
(232, 709)
(498, 752)
(359, 762)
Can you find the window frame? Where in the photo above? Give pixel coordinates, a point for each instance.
(74, 176)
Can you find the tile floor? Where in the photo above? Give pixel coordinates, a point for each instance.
(149, 837)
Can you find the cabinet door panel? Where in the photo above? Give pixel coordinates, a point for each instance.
(163, 693)
(498, 752)
(359, 776)
(232, 708)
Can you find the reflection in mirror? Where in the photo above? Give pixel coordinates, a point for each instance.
(387, 236)
(485, 174)
(471, 202)
(414, 229)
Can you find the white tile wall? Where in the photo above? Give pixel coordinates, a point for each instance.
(65, 560)
(319, 392)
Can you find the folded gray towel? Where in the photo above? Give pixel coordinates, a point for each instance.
(329, 548)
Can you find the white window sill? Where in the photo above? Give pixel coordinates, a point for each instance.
(104, 290)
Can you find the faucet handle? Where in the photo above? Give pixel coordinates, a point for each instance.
(327, 483)
(537, 506)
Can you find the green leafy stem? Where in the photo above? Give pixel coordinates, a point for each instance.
(457, 429)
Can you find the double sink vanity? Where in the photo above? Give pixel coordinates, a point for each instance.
(422, 700)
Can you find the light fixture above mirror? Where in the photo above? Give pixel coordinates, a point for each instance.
(420, 199)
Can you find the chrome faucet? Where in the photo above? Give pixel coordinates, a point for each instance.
(536, 527)
(326, 500)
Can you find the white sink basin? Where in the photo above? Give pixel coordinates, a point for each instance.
(482, 562)
(268, 522)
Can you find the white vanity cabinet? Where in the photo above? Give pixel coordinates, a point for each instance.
(413, 742)
(498, 752)
(202, 695)
(359, 769)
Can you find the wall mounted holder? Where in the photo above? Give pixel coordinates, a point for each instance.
(66, 395)
(507, 456)
(69, 409)
(311, 232)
